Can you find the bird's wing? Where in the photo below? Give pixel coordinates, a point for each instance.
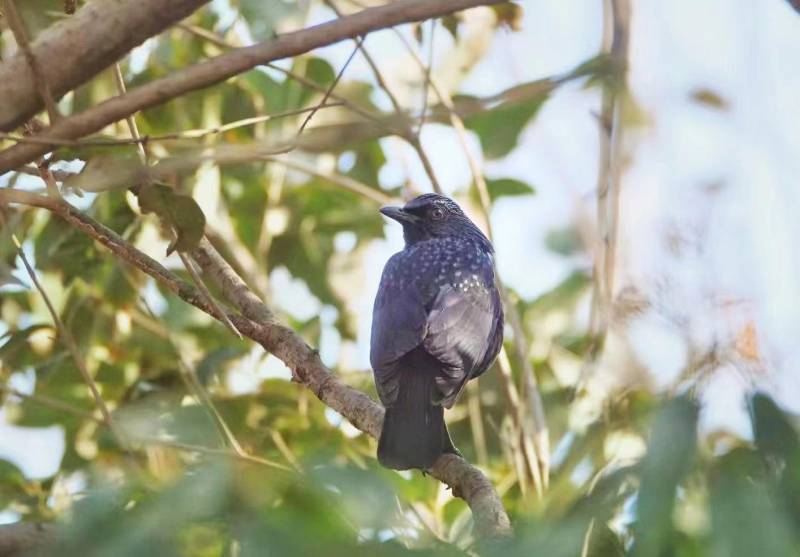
(398, 326)
(496, 339)
(461, 331)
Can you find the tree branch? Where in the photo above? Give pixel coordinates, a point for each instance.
(21, 36)
(258, 324)
(226, 65)
(616, 38)
(77, 48)
(21, 538)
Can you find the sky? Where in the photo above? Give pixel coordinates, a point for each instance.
(709, 195)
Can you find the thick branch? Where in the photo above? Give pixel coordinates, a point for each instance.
(72, 51)
(231, 63)
(20, 538)
(258, 324)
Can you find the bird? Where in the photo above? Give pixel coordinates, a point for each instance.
(437, 322)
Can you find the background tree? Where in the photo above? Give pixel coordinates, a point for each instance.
(188, 203)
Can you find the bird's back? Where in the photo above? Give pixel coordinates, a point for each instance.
(438, 296)
(436, 324)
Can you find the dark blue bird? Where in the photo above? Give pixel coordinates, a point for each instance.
(436, 324)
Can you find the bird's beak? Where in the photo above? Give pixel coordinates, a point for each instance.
(398, 214)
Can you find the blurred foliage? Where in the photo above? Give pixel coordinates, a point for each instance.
(629, 477)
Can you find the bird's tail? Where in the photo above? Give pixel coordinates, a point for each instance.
(414, 433)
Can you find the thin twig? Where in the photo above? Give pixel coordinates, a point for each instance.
(476, 422)
(170, 136)
(409, 135)
(342, 181)
(210, 450)
(52, 403)
(330, 89)
(131, 118)
(372, 64)
(34, 125)
(198, 281)
(526, 449)
(619, 55)
(21, 36)
(203, 398)
(311, 84)
(71, 346)
(587, 539)
(347, 103)
(58, 175)
(616, 23)
(426, 82)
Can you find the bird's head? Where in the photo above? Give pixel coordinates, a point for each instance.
(435, 216)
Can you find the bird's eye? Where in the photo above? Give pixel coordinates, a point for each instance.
(437, 214)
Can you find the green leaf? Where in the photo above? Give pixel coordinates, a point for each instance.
(509, 15)
(264, 18)
(15, 351)
(12, 482)
(507, 187)
(709, 98)
(181, 211)
(597, 67)
(215, 360)
(369, 160)
(566, 294)
(61, 248)
(499, 129)
(669, 457)
(604, 542)
(320, 71)
(37, 15)
(317, 213)
(564, 241)
(778, 444)
(6, 277)
(745, 519)
(774, 434)
(450, 23)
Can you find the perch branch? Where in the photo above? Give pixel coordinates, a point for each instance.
(258, 324)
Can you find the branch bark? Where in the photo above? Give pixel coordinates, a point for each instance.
(227, 65)
(21, 538)
(72, 51)
(258, 323)
(616, 39)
